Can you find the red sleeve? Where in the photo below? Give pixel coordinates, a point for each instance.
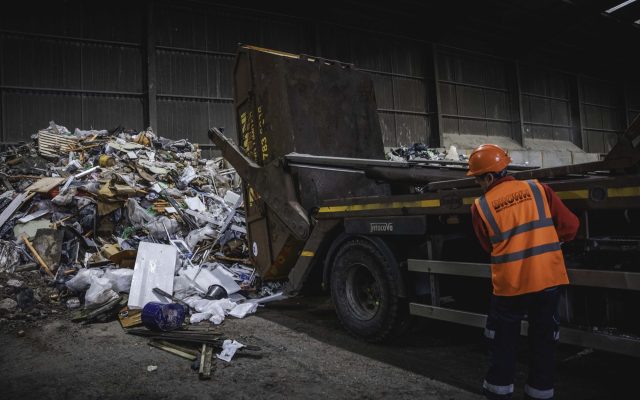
(480, 229)
(565, 221)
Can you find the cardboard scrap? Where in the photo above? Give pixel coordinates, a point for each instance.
(45, 185)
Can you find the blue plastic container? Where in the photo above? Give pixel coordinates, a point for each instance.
(163, 317)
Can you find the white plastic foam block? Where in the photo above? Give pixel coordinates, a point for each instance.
(155, 267)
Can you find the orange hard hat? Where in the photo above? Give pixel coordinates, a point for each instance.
(487, 158)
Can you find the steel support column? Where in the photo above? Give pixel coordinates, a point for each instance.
(517, 124)
(149, 69)
(625, 106)
(577, 118)
(435, 138)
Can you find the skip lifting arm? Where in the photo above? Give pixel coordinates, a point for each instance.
(274, 185)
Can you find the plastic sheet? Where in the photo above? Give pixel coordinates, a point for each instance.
(229, 348)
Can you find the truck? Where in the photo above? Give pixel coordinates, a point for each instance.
(393, 240)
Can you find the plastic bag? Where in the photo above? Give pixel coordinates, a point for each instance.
(157, 227)
(99, 293)
(137, 215)
(196, 236)
(9, 256)
(65, 199)
(82, 280)
(241, 310)
(188, 175)
(120, 279)
(197, 317)
(216, 308)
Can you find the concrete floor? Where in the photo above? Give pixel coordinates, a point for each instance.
(305, 354)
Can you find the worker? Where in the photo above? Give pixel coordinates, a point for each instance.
(522, 225)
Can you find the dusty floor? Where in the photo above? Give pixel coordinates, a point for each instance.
(305, 354)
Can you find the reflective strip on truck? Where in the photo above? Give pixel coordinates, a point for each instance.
(579, 194)
(624, 191)
(381, 206)
(583, 194)
(573, 194)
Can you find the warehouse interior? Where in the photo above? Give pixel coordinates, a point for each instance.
(134, 140)
(534, 75)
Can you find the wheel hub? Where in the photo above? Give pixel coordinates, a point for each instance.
(363, 292)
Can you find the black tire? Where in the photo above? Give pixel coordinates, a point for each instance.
(365, 292)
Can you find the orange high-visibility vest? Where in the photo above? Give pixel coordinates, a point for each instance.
(526, 255)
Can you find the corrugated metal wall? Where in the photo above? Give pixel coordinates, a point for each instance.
(474, 94)
(399, 71)
(602, 107)
(546, 105)
(88, 66)
(60, 62)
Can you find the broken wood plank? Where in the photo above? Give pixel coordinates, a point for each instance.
(205, 362)
(179, 351)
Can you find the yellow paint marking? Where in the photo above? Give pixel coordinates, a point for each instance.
(379, 206)
(468, 200)
(624, 191)
(573, 194)
(307, 253)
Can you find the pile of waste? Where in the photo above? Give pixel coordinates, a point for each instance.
(123, 224)
(420, 152)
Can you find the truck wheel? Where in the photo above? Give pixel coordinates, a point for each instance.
(364, 292)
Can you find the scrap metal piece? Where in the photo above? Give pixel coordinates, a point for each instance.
(274, 185)
(33, 216)
(170, 296)
(12, 207)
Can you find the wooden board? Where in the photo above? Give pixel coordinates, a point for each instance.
(129, 318)
(44, 185)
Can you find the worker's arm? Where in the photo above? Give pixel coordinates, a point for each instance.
(565, 221)
(480, 229)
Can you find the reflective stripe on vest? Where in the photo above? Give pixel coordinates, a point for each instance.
(519, 255)
(526, 254)
(500, 236)
(542, 221)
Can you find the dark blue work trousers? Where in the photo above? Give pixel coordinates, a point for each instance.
(540, 309)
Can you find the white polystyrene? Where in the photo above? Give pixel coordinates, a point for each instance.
(155, 267)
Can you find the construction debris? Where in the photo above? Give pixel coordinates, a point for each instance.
(421, 152)
(123, 224)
